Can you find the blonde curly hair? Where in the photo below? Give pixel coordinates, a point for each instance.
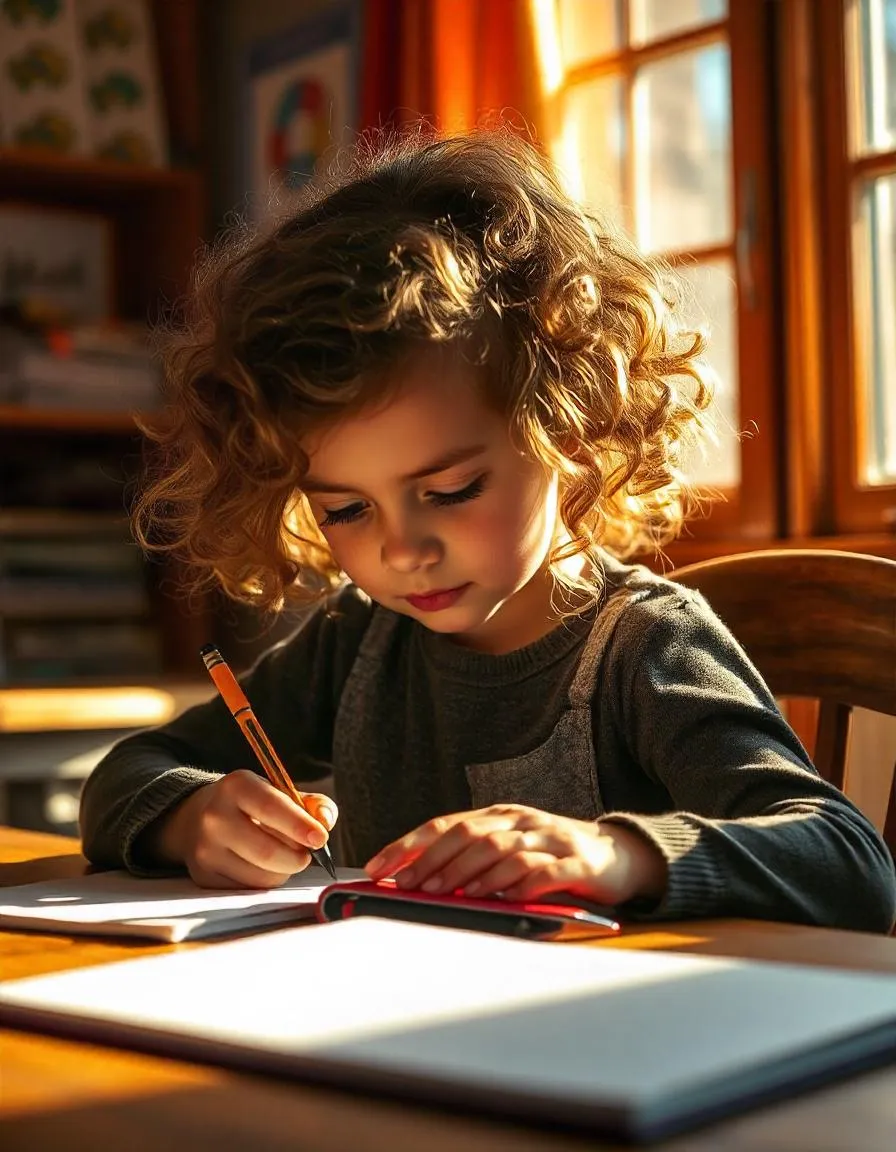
(415, 241)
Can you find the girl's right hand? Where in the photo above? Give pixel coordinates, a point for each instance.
(242, 832)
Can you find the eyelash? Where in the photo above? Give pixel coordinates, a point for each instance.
(351, 512)
(342, 515)
(461, 496)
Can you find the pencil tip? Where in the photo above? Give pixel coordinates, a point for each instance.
(328, 861)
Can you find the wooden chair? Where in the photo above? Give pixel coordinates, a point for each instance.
(818, 624)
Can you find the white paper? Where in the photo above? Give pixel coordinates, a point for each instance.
(546, 1029)
(173, 909)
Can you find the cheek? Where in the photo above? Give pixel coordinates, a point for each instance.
(529, 513)
(512, 528)
(347, 550)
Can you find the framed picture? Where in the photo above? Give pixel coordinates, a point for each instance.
(302, 101)
(56, 263)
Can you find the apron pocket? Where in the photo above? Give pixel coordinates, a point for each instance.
(559, 776)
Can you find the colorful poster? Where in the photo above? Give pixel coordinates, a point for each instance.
(301, 96)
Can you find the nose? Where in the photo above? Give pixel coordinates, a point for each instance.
(408, 548)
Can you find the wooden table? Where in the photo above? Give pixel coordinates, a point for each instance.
(62, 1096)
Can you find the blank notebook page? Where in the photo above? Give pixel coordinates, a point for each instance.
(168, 908)
(618, 1040)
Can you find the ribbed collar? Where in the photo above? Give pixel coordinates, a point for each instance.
(454, 661)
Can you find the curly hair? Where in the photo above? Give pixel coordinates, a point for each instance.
(469, 240)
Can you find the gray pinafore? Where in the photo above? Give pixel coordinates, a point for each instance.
(560, 775)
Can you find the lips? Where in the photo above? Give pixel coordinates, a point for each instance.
(439, 600)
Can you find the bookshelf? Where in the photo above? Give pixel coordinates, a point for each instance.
(13, 416)
(73, 466)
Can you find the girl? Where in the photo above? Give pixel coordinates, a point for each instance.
(442, 404)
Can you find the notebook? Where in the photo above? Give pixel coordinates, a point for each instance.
(171, 909)
(622, 1043)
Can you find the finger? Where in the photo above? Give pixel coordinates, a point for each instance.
(571, 874)
(486, 850)
(231, 871)
(266, 850)
(508, 873)
(322, 808)
(407, 848)
(209, 878)
(244, 874)
(261, 801)
(470, 845)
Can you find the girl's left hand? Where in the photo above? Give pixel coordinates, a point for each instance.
(523, 854)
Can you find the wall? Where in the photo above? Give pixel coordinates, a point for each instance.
(232, 26)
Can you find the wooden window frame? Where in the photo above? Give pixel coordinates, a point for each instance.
(855, 507)
(751, 512)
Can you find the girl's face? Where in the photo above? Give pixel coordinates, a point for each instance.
(430, 509)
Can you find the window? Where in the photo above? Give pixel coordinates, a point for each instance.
(858, 39)
(656, 111)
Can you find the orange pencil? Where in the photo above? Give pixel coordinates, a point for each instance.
(235, 699)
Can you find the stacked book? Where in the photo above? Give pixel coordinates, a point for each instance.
(73, 599)
(99, 369)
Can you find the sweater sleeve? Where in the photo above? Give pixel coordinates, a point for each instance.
(754, 831)
(294, 689)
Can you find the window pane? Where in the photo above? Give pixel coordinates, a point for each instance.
(713, 306)
(871, 60)
(875, 263)
(591, 151)
(653, 19)
(588, 29)
(682, 142)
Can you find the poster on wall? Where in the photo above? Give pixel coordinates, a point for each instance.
(42, 98)
(301, 103)
(121, 74)
(81, 76)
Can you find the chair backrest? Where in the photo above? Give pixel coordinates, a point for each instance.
(818, 624)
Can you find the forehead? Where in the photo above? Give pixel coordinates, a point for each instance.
(435, 403)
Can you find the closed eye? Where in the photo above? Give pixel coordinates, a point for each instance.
(352, 512)
(344, 515)
(461, 496)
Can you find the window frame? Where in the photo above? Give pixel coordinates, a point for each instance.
(753, 511)
(855, 507)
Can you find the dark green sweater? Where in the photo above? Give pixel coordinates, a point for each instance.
(688, 747)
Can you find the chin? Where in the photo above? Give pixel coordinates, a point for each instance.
(450, 621)
(463, 619)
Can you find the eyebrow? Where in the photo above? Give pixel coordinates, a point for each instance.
(449, 460)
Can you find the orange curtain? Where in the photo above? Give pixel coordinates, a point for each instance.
(450, 62)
